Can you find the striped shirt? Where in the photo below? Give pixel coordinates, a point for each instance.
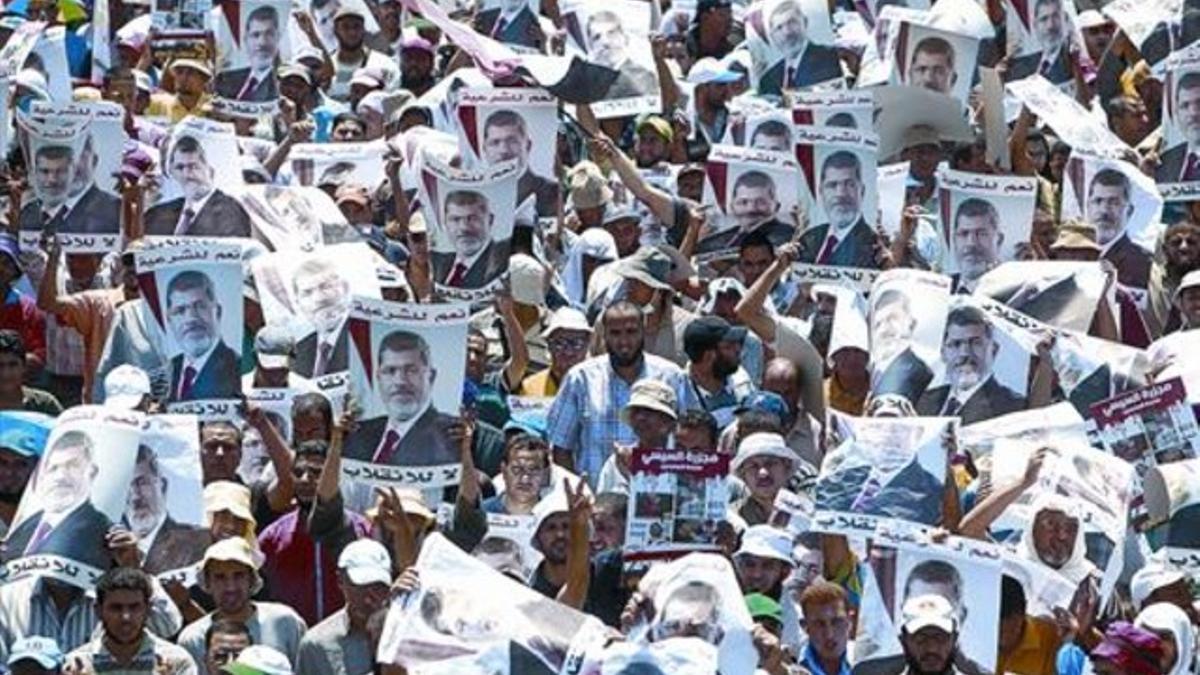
(26, 609)
(585, 417)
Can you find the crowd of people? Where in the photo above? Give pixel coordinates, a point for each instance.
(398, 336)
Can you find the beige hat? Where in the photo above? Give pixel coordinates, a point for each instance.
(1190, 280)
(918, 135)
(588, 187)
(234, 550)
(412, 502)
(228, 496)
(194, 64)
(416, 223)
(1076, 234)
(653, 395)
(527, 279)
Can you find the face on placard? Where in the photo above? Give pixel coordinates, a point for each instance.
(1054, 537)
(52, 177)
(1109, 210)
(194, 318)
(1048, 23)
(65, 480)
(968, 351)
(262, 40)
(323, 297)
(469, 224)
(193, 174)
(753, 204)
(932, 69)
(842, 192)
(405, 382)
(1187, 109)
(788, 29)
(891, 328)
(977, 243)
(502, 142)
(146, 504)
(606, 41)
(769, 140)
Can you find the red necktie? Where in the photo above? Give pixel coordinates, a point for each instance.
(1191, 170)
(324, 351)
(456, 275)
(185, 388)
(388, 447)
(251, 83)
(185, 222)
(831, 243)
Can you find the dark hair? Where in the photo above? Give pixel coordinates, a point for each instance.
(966, 315)
(226, 627)
(703, 420)
(505, 118)
(612, 503)
(1012, 597)
(312, 402)
(936, 572)
(123, 579)
(1111, 178)
(752, 180)
(347, 117)
(623, 307)
(524, 442)
(264, 13)
(975, 207)
(147, 456)
(754, 421)
(935, 46)
(12, 344)
(189, 144)
(756, 238)
(54, 152)
(405, 341)
(842, 159)
(190, 280)
(772, 128)
(221, 425)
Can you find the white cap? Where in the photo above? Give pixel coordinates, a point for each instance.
(567, 318)
(711, 71)
(1150, 578)
(1190, 280)
(259, 660)
(125, 386)
(1090, 18)
(366, 562)
(527, 278)
(765, 541)
(927, 610)
(761, 444)
(43, 650)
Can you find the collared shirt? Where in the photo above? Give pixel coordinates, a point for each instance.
(272, 624)
(813, 664)
(585, 417)
(400, 428)
(154, 656)
(724, 402)
(332, 647)
(196, 365)
(194, 207)
(27, 610)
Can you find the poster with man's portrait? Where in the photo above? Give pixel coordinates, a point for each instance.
(253, 40)
(844, 109)
(906, 321)
(883, 469)
(329, 165)
(409, 391)
(770, 131)
(165, 508)
(1070, 121)
(194, 292)
(934, 59)
(512, 22)
(197, 199)
(1043, 39)
(75, 495)
(791, 46)
(616, 34)
(1181, 119)
(323, 12)
(276, 404)
(753, 191)
(471, 214)
(1173, 500)
(839, 168)
(1149, 426)
(311, 293)
(1060, 293)
(295, 218)
(181, 18)
(984, 219)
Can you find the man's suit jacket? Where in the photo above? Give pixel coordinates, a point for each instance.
(1094, 388)
(912, 494)
(96, 212)
(819, 64)
(856, 250)
(907, 375)
(230, 82)
(990, 400)
(776, 231)
(79, 537)
(217, 379)
(176, 545)
(545, 193)
(520, 31)
(425, 444)
(633, 81)
(221, 216)
(489, 265)
(1172, 164)
(305, 360)
(1132, 262)
(1183, 530)
(1024, 66)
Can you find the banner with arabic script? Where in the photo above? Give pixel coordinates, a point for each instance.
(677, 501)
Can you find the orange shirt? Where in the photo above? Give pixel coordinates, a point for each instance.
(91, 313)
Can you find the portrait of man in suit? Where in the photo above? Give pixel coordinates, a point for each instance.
(885, 476)
(260, 43)
(412, 430)
(468, 221)
(323, 298)
(90, 209)
(205, 367)
(52, 175)
(897, 369)
(84, 208)
(167, 544)
(773, 135)
(1181, 162)
(754, 205)
(505, 137)
(608, 45)
(1052, 60)
(1109, 206)
(204, 210)
(846, 239)
(511, 22)
(804, 63)
(932, 65)
(976, 237)
(971, 391)
(67, 524)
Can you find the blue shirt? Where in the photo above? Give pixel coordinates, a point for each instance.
(813, 666)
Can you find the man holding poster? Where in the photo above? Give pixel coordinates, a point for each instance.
(846, 239)
(971, 391)
(204, 210)
(205, 367)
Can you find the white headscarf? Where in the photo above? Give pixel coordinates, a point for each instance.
(1162, 616)
(595, 243)
(1077, 567)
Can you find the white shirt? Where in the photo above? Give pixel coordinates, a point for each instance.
(401, 429)
(963, 397)
(194, 207)
(144, 543)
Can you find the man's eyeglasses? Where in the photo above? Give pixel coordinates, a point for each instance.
(568, 344)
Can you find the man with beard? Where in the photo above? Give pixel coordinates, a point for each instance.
(1109, 206)
(260, 42)
(204, 210)
(846, 240)
(585, 418)
(323, 298)
(85, 208)
(804, 63)
(896, 368)
(608, 46)
(1053, 60)
(1181, 253)
(413, 431)
(353, 55)
(505, 137)
(971, 391)
(477, 259)
(52, 175)
(976, 239)
(205, 367)
(1181, 163)
(773, 135)
(166, 543)
(68, 524)
(754, 206)
(342, 643)
(713, 348)
(125, 643)
(929, 636)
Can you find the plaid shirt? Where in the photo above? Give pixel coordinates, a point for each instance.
(585, 417)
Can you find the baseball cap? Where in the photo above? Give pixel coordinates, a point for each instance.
(125, 387)
(1091, 18)
(293, 70)
(259, 660)
(366, 562)
(41, 649)
(24, 433)
(349, 9)
(195, 64)
(709, 70)
(764, 607)
(658, 125)
(566, 318)
(927, 610)
(768, 402)
(272, 346)
(1190, 280)
(352, 194)
(234, 549)
(418, 43)
(647, 265)
(761, 444)
(526, 278)
(366, 77)
(765, 541)
(653, 395)
(615, 213)
(705, 333)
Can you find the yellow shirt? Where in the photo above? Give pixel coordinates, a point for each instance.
(170, 107)
(841, 400)
(1037, 651)
(538, 385)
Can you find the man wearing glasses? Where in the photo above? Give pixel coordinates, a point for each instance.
(568, 335)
